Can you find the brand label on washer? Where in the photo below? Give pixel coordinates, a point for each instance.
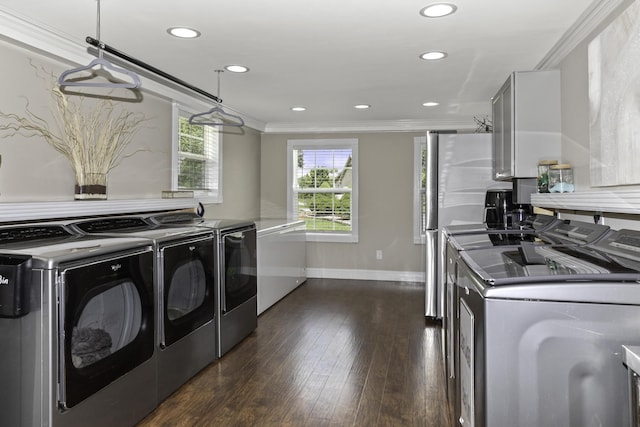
(4, 280)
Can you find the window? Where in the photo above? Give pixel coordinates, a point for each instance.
(197, 158)
(323, 187)
(419, 188)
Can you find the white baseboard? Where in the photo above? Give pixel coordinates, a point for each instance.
(382, 275)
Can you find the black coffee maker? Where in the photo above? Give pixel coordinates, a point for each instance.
(501, 213)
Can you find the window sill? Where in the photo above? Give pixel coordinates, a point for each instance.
(27, 211)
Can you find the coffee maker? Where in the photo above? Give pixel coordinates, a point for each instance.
(500, 212)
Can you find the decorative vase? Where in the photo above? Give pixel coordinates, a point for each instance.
(91, 186)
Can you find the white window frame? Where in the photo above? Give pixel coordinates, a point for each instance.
(210, 196)
(419, 144)
(292, 211)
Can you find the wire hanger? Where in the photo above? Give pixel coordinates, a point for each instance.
(101, 63)
(216, 116)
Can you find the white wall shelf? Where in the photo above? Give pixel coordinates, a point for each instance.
(28, 211)
(595, 201)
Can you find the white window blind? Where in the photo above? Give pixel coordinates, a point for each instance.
(197, 154)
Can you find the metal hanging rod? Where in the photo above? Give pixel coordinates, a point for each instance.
(137, 62)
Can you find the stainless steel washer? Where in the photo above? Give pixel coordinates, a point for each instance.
(541, 331)
(540, 230)
(76, 327)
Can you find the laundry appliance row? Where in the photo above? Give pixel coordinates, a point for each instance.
(535, 328)
(103, 318)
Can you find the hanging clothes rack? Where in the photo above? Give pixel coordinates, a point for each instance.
(99, 63)
(115, 52)
(216, 116)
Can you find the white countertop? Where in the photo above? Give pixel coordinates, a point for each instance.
(272, 224)
(632, 358)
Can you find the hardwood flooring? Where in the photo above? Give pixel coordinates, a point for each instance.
(331, 353)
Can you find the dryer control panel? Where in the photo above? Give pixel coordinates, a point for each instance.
(624, 243)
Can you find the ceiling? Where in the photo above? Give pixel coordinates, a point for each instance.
(325, 55)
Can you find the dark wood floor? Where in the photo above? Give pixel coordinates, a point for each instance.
(332, 353)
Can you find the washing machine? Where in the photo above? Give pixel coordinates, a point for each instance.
(540, 230)
(77, 321)
(185, 276)
(237, 279)
(541, 330)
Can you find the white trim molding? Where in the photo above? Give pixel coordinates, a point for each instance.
(372, 126)
(374, 275)
(595, 14)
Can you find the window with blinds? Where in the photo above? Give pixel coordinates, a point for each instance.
(323, 187)
(198, 153)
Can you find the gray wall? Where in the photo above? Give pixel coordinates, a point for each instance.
(385, 204)
(240, 176)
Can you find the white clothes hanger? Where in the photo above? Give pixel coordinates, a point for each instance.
(100, 63)
(216, 116)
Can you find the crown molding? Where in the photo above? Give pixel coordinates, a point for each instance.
(371, 126)
(590, 19)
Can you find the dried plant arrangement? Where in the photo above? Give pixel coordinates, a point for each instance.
(93, 138)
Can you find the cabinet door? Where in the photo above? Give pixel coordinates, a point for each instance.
(537, 126)
(498, 136)
(502, 133)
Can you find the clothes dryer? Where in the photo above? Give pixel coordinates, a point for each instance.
(76, 328)
(185, 275)
(541, 330)
(237, 281)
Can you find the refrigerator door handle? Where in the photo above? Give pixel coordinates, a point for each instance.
(431, 293)
(431, 181)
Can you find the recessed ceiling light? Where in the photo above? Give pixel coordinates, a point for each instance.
(362, 106)
(430, 104)
(438, 10)
(433, 55)
(183, 32)
(236, 68)
(298, 109)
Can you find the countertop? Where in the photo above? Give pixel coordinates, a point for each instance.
(266, 225)
(632, 357)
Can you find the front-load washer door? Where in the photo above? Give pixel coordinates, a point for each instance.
(105, 323)
(188, 288)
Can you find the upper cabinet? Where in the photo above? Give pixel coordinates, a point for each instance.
(526, 123)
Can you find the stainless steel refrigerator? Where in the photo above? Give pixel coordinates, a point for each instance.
(457, 175)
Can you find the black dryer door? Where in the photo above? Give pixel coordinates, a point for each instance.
(240, 263)
(106, 323)
(188, 288)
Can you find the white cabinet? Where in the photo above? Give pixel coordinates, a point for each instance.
(526, 123)
(282, 259)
